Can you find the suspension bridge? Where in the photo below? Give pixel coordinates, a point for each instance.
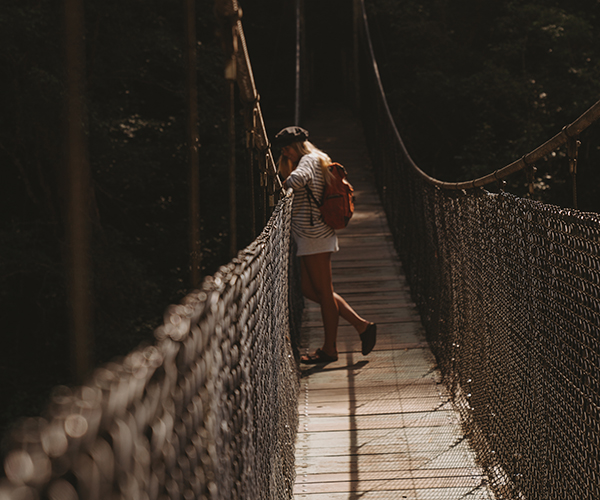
(484, 382)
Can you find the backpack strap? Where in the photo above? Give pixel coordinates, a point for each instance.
(311, 195)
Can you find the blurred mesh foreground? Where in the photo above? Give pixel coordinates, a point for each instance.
(209, 410)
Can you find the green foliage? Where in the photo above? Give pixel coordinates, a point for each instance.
(476, 85)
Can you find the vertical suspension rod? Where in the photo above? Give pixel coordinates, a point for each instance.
(298, 65)
(232, 180)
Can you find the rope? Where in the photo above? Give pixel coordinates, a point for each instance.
(569, 131)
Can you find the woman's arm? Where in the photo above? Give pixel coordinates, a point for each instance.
(300, 176)
(285, 167)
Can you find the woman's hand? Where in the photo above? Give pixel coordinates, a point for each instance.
(285, 168)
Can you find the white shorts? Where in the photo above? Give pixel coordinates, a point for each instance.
(309, 246)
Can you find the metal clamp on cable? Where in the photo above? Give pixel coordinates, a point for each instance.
(501, 182)
(530, 172)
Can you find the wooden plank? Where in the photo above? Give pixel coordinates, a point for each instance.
(364, 263)
(407, 336)
(408, 389)
(379, 408)
(375, 274)
(391, 484)
(468, 493)
(390, 316)
(370, 288)
(403, 473)
(387, 462)
(315, 423)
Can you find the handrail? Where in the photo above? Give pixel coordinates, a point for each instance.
(230, 11)
(568, 132)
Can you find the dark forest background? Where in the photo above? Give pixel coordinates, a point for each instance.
(473, 85)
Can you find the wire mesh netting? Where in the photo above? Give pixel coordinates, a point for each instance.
(509, 293)
(208, 411)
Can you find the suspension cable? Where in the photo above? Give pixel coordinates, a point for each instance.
(298, 63)
(568, 132)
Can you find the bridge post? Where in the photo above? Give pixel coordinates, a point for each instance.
(356, 21)
(78, 230)
(229, 14)
(193, 140)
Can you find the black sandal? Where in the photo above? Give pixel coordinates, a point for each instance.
(368, 338)
(318, 357)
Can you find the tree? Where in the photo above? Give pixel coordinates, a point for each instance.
(478, 85)
(136, 133)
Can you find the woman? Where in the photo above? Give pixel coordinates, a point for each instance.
(303, 165)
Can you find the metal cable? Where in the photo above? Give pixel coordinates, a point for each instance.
(569, 132)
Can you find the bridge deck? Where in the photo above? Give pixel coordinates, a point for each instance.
(380, 426)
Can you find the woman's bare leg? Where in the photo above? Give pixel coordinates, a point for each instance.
(345, 310)
(350, 315)
(317, 270)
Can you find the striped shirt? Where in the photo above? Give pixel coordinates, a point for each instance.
(308, 172)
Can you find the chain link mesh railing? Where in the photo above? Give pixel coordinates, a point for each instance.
(509, 293)
(209, 411)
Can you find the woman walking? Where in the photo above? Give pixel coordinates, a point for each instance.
(302, 165)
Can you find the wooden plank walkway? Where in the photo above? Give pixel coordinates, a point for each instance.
(381, 426)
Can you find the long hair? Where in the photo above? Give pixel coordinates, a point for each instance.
(303, 148)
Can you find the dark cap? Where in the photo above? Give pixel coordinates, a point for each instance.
(290, 134)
